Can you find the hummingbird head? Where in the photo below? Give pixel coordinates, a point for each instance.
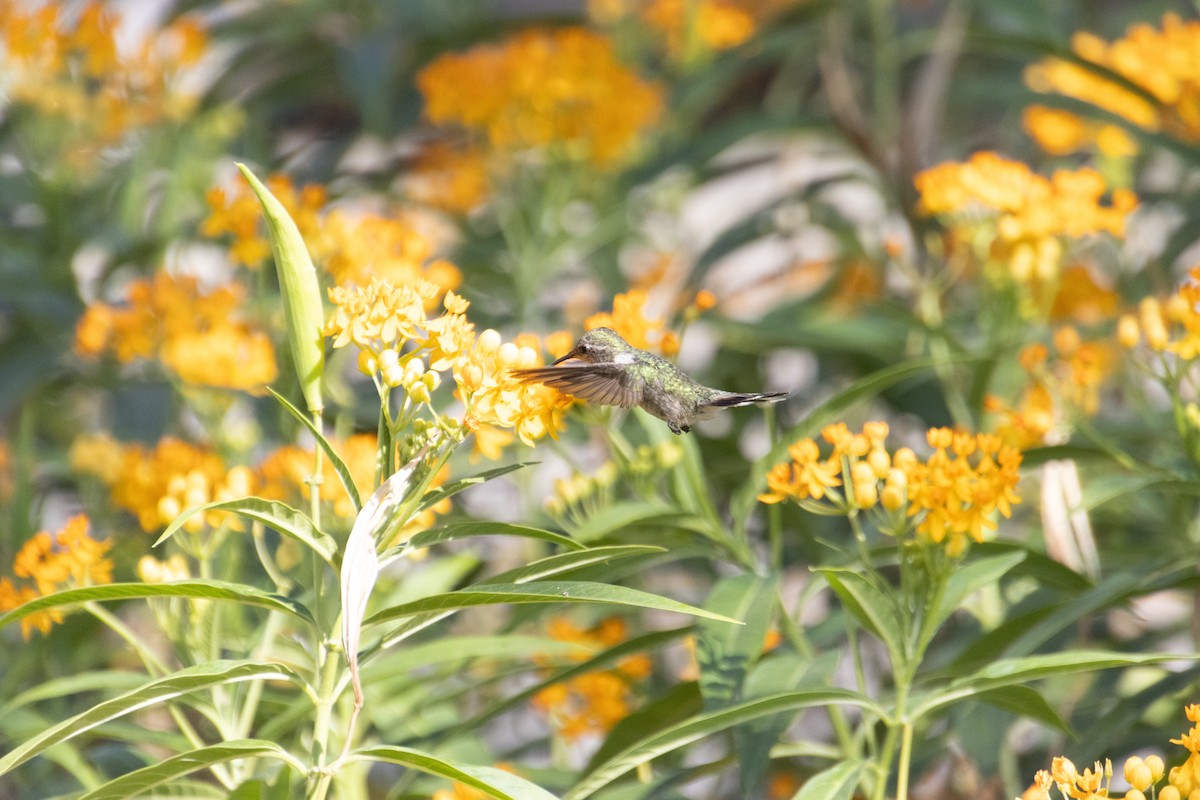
(598, 346)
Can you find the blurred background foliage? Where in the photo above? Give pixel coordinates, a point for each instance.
(757, 181)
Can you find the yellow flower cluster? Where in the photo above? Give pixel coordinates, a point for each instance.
(198, 336)
(948, 497)
(1061, 133)
(402, 346)
(50, 563)
(628, 318)
(562, 89)
(594, 702)
(1172, 326)
(1183, 781)
(1024, 215)
(79, 69)
(1164, 62)
(1071, 379)
(352, 248)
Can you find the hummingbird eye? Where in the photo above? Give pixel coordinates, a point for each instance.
(584, 349)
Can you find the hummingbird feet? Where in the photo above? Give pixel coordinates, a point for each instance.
(678, 429)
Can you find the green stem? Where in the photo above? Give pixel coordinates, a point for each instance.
(156, 667)
(327, 670)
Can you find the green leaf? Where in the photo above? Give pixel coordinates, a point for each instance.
(674, 707)
(1016, 671)
(486, 648)
(639, 644)
(493, 782)
(540, 592)
(707, 724)
(543, 568)
(73, 684)
(185, 681)
(970, 578)
(272, 513)
(196, 589)
(836, 783)
(339, 466)
(462, 530)
(780, 671)
(435, 496)
(725, 653)
(141, 780)
(620, 516)
(300, 290)
(1025, 702)
(872, 607)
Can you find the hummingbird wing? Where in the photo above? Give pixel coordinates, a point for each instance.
(606, 384)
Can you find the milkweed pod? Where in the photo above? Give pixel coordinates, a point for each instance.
(301, 293)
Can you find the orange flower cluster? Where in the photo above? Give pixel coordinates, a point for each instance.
(451, 177)
(564, 90)
(78, 68)
(404, 347)
(1172, 326)
(1072, 378)
(352, 248)
(688, 27)
(1164, 62)
(156, 484)
(1024, 217)
(628, 318)
(948, 497)
(596, 701)
(460, 791)
(53, 562)
(1143, 774)
(198, 336)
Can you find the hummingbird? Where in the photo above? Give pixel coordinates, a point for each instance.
(603, 368)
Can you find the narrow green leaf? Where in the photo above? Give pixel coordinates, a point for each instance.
(435, 496)
(486, 648)
(196, 589)
(836, 783)
(493, 782)
(1026, 702)
(647, 642)
(272, 513)
(463, 530)
(185, 681)
(98, 680)
(301, 292)
(141, 780)
(725, 653)
(970, 578)
(626, 515)
(675, 706)
(874, 609)
(704, 725)
(540, 592)
(339, 466)
(1016, 671)
(543, 568)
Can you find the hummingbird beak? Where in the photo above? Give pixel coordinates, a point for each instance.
(573, 354)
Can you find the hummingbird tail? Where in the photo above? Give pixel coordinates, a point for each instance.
(735, 400)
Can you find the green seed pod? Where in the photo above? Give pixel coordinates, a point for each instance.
(301, 293)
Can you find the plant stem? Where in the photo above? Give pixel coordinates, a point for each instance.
(327, 670)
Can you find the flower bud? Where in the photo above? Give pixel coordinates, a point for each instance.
(1128, 333)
